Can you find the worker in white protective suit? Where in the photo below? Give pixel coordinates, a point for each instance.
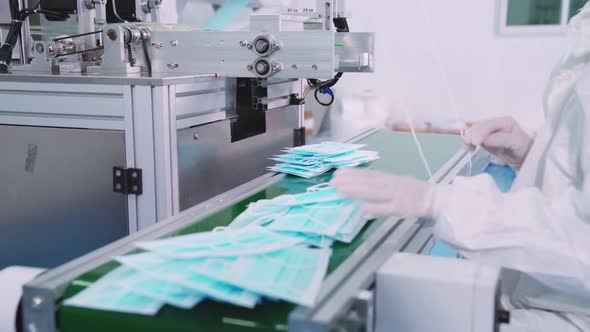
(541, 227)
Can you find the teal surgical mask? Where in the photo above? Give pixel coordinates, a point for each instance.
(326, 149)
(108, 295)
(318, 219)
(224, 242)
(304, 172)
(169, 292)
(352, 227)
(293, 274)
(352, 159)
(177, 271)
(297, 160)
(314, 160)
(321, 212)
(312, 240)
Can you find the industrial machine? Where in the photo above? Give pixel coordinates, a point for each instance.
(130, 126)
(366, 289)
(126, 122)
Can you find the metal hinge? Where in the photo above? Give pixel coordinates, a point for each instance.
(127, 181)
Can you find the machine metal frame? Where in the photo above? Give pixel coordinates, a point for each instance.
(149, 110)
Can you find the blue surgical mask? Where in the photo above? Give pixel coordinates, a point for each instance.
(106, 294)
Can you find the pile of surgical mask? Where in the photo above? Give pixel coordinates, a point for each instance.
(277, 249)
(320, 216)
(313, 160)
(238, 266)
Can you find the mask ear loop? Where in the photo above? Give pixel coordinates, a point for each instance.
(319, 187)
(436, 54)
(415, 137)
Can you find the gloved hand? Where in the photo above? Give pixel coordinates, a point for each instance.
(503, 138)
(385, 194)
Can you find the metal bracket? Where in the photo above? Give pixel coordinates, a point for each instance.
(361, 316)
(127, 181)
(299, 137)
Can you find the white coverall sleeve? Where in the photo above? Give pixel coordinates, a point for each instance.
(545, 237)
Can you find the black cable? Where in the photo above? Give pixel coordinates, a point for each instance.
(341, 24)
(326, 91)
(146, 55)
(79, 35)
(324, 87)
(13, 9)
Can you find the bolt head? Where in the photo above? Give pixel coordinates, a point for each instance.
(314, 67)
(39, 48)
(37, 302)
(250, 67)
(196, 136)
(112, 34)
(174, 42)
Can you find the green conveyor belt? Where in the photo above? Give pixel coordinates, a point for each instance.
(398, 156)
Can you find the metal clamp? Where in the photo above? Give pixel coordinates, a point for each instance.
(127, 181)
(361, 316)
(264, 45)
(149, 5)
(264, 68)
(91, 4)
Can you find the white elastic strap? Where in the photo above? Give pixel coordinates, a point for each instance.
(420, 151)
(437, 55)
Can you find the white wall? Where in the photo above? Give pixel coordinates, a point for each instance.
(488, 75)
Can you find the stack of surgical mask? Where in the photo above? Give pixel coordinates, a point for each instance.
(240, 266)
(314, 160)
(319, 217)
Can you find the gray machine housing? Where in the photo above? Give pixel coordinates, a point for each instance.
(61, 141)
(196, 113)
(407, 286)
